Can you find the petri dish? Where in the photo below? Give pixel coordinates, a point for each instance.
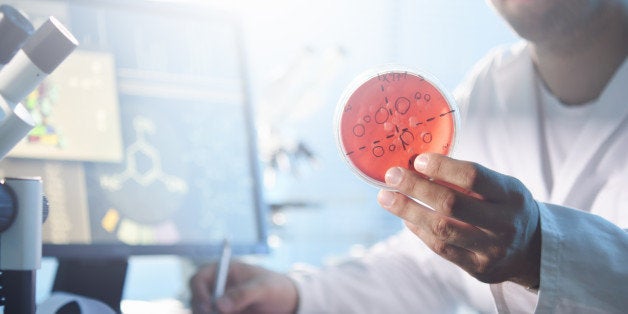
(389, 115)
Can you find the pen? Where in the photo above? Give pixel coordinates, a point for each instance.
(223, 270)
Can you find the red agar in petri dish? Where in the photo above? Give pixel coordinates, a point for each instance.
(389, 116)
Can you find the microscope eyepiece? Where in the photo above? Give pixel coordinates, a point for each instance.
(50, 45)
(14, 30)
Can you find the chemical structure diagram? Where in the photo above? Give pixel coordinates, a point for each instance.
(139, 148)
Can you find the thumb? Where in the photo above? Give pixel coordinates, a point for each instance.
(239, 298)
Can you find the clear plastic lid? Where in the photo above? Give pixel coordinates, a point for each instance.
(389, 115)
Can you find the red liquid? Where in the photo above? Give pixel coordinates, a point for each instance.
(392, 118)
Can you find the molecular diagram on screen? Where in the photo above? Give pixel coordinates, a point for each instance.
(141, 147)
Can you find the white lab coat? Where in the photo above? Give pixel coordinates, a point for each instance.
(584, 258)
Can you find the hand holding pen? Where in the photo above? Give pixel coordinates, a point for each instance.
(236, 287)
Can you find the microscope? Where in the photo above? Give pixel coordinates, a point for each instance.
(27, 56)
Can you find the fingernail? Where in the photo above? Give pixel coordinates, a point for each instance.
(393, 176)
(386, 198)
(420, 163)
(224, 304)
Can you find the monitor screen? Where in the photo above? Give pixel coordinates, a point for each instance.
(144, 139)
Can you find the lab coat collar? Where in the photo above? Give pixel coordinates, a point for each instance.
(516, 96)
(516, 91)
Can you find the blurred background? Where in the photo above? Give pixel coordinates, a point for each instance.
(297, 58)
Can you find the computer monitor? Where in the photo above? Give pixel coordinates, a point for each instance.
(145, 140)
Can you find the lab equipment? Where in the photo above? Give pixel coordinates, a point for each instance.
(389, 115)
(15, 28)
(20, 244)
(39, 56)
(22, 203)
(187, 173)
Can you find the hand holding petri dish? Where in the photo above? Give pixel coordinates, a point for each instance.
(388, 116)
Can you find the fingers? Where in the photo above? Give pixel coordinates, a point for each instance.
(489, 233)
(437, 229)
(439, 167)
(441, 198)
(476, 263)
(237, 299)
(200, 286)
(469, 176)
(250, 289)
(473, 249)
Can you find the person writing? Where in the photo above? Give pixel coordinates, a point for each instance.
(543, 145)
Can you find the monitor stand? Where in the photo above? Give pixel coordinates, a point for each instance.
(100, 279)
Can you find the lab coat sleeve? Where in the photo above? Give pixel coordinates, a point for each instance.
(584, 262)
(399, 275)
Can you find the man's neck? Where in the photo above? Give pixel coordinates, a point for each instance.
(577, 69)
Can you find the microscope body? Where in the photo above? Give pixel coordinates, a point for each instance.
(20, 243)
(31, 57)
